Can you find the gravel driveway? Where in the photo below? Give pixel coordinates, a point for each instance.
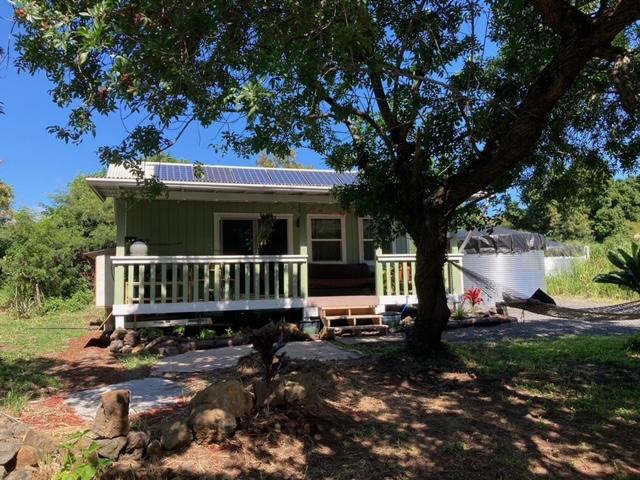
(531, 326)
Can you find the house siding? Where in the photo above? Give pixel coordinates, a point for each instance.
(174, 227)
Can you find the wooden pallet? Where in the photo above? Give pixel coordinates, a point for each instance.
(352, 319)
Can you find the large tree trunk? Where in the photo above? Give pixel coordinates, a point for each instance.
(433, 311)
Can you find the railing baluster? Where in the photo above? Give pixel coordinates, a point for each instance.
(196, 281)
(216, 282)
(185, 282)
(236, 282)
(388, 275)
(247, 281)
(227, 280)
(413, 278)
(152, 283)
(405, 279)
(285, 279)
(141, 283)
(396, 280)
(294, 279)
(206, 271)
(130, 277)
(174, 283)
(276, 280)
(163, 283)
(267, 273)
(256, 280)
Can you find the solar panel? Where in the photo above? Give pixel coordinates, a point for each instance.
(254, 176)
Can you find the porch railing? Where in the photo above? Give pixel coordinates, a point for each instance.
(220, 278)
(396, 275)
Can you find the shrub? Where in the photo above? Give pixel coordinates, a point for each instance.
(628, 264)
(633, 344)
(207, 334)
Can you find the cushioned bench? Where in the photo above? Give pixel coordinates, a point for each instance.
(341, 276)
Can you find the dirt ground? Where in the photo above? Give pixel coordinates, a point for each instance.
(384, 417)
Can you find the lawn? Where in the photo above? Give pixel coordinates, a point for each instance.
(26, 350)
(560, 408)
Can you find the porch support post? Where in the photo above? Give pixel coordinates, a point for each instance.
(378, 268)
(121, 232)
(302, 235)
(119, 321)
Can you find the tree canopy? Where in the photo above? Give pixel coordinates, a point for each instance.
(437, 103)
(43, 256)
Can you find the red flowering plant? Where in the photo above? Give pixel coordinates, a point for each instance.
(474, 297)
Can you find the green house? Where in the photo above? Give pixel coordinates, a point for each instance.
(223, 239)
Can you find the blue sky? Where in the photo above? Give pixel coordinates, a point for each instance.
(36, 164)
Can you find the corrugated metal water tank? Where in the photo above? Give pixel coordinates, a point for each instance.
(509, 259)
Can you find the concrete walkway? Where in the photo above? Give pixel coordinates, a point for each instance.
(146, 394)
(218, 358)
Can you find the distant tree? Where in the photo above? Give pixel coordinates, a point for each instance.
(44, 254)
(607, 211)
(273, 161)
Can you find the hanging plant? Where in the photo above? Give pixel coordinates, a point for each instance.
(265, 227)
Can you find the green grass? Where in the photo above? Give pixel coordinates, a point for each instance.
(134, 362)
(24, 349)
(597, 378)
(578, 282)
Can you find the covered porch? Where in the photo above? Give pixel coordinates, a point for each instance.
(156, 285)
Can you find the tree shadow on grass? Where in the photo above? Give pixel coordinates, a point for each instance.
(396, 417)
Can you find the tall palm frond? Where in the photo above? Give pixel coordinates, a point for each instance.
(628, 263)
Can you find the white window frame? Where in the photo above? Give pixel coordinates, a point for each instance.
(343, 242)
(217, 227)
(361, 241)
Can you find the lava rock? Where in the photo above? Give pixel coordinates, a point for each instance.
(118, 334)
(116, 346)
(27, 456)
(132, 338)
(229, 396)
(112, 418)
(154, 449)
(212, 424)
(176, 435)
(111, 447)
(8, 451)
(327, 334)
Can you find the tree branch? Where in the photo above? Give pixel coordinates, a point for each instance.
(505, 150)
(562, 17)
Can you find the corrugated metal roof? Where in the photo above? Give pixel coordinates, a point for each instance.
(227, 175)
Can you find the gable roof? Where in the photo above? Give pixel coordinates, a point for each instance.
(177, 176)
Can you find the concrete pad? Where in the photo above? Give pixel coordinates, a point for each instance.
(201, 360)
(227, 357)
(146, 394)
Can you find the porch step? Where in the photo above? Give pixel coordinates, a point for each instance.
(357, 319)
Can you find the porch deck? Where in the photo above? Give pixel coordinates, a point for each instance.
(156, 285)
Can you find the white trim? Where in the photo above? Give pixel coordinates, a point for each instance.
(322, 198)
(150, 259)
(361, 242)
(221, 306)
(410, 257)
(343, 235)
(218, 216)
(210, 186)
(411, 299)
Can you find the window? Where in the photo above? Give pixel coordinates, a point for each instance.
(236, 234)
(327, 239)
(367, 242)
